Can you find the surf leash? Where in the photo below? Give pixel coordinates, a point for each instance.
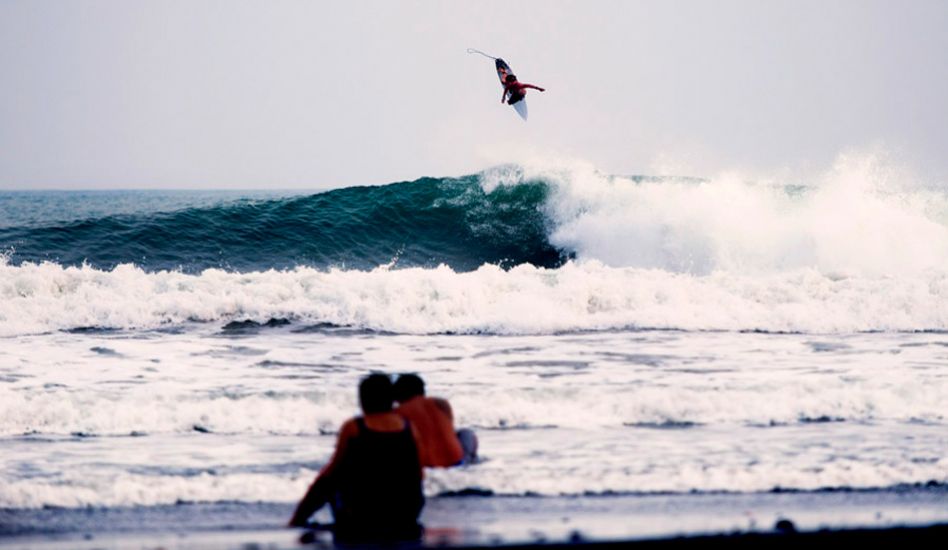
(472, 50)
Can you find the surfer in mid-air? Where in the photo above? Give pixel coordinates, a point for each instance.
(514, 90)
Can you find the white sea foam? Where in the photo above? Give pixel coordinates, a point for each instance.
(150, 412)
(863, 217)
(303, 384)
(147, 411)
(515, 479)
(37, 298)
(549, 462)
(566, 414)
(110, 489)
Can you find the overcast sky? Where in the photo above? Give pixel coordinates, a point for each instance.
(312, 94)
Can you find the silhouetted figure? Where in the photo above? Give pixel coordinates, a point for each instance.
(439, 445)
(373, 481)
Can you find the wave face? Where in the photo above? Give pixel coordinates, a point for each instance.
(427, 222)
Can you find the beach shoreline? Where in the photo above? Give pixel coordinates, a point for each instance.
(700, 520)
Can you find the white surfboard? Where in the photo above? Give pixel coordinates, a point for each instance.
(521, 107)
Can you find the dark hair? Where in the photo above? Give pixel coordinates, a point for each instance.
(408, 386)
(510, 78)
(375, 393)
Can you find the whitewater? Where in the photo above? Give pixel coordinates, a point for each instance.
(604, 334)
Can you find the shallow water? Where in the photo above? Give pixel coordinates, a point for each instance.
(119, 418)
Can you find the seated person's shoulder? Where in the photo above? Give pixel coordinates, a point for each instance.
(442, 404)
(349, 429)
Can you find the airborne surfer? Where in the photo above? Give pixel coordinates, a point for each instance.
(514, 90)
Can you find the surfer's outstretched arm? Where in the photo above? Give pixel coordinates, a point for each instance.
(532, 86)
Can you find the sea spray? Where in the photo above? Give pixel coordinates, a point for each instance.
(859, 218)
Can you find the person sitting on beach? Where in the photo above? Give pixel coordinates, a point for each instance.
(374, 480)
(439, 445)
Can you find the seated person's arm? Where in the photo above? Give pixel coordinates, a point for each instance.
(321, 489)
(348, 431)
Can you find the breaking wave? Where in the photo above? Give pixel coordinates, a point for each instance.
(512, 250)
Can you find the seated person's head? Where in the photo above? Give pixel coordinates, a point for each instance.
(375, 394)
(408, 386)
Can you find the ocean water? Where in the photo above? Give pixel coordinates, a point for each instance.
(604, 335)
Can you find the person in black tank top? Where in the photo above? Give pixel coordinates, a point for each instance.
(374, 480)
(379, 492)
